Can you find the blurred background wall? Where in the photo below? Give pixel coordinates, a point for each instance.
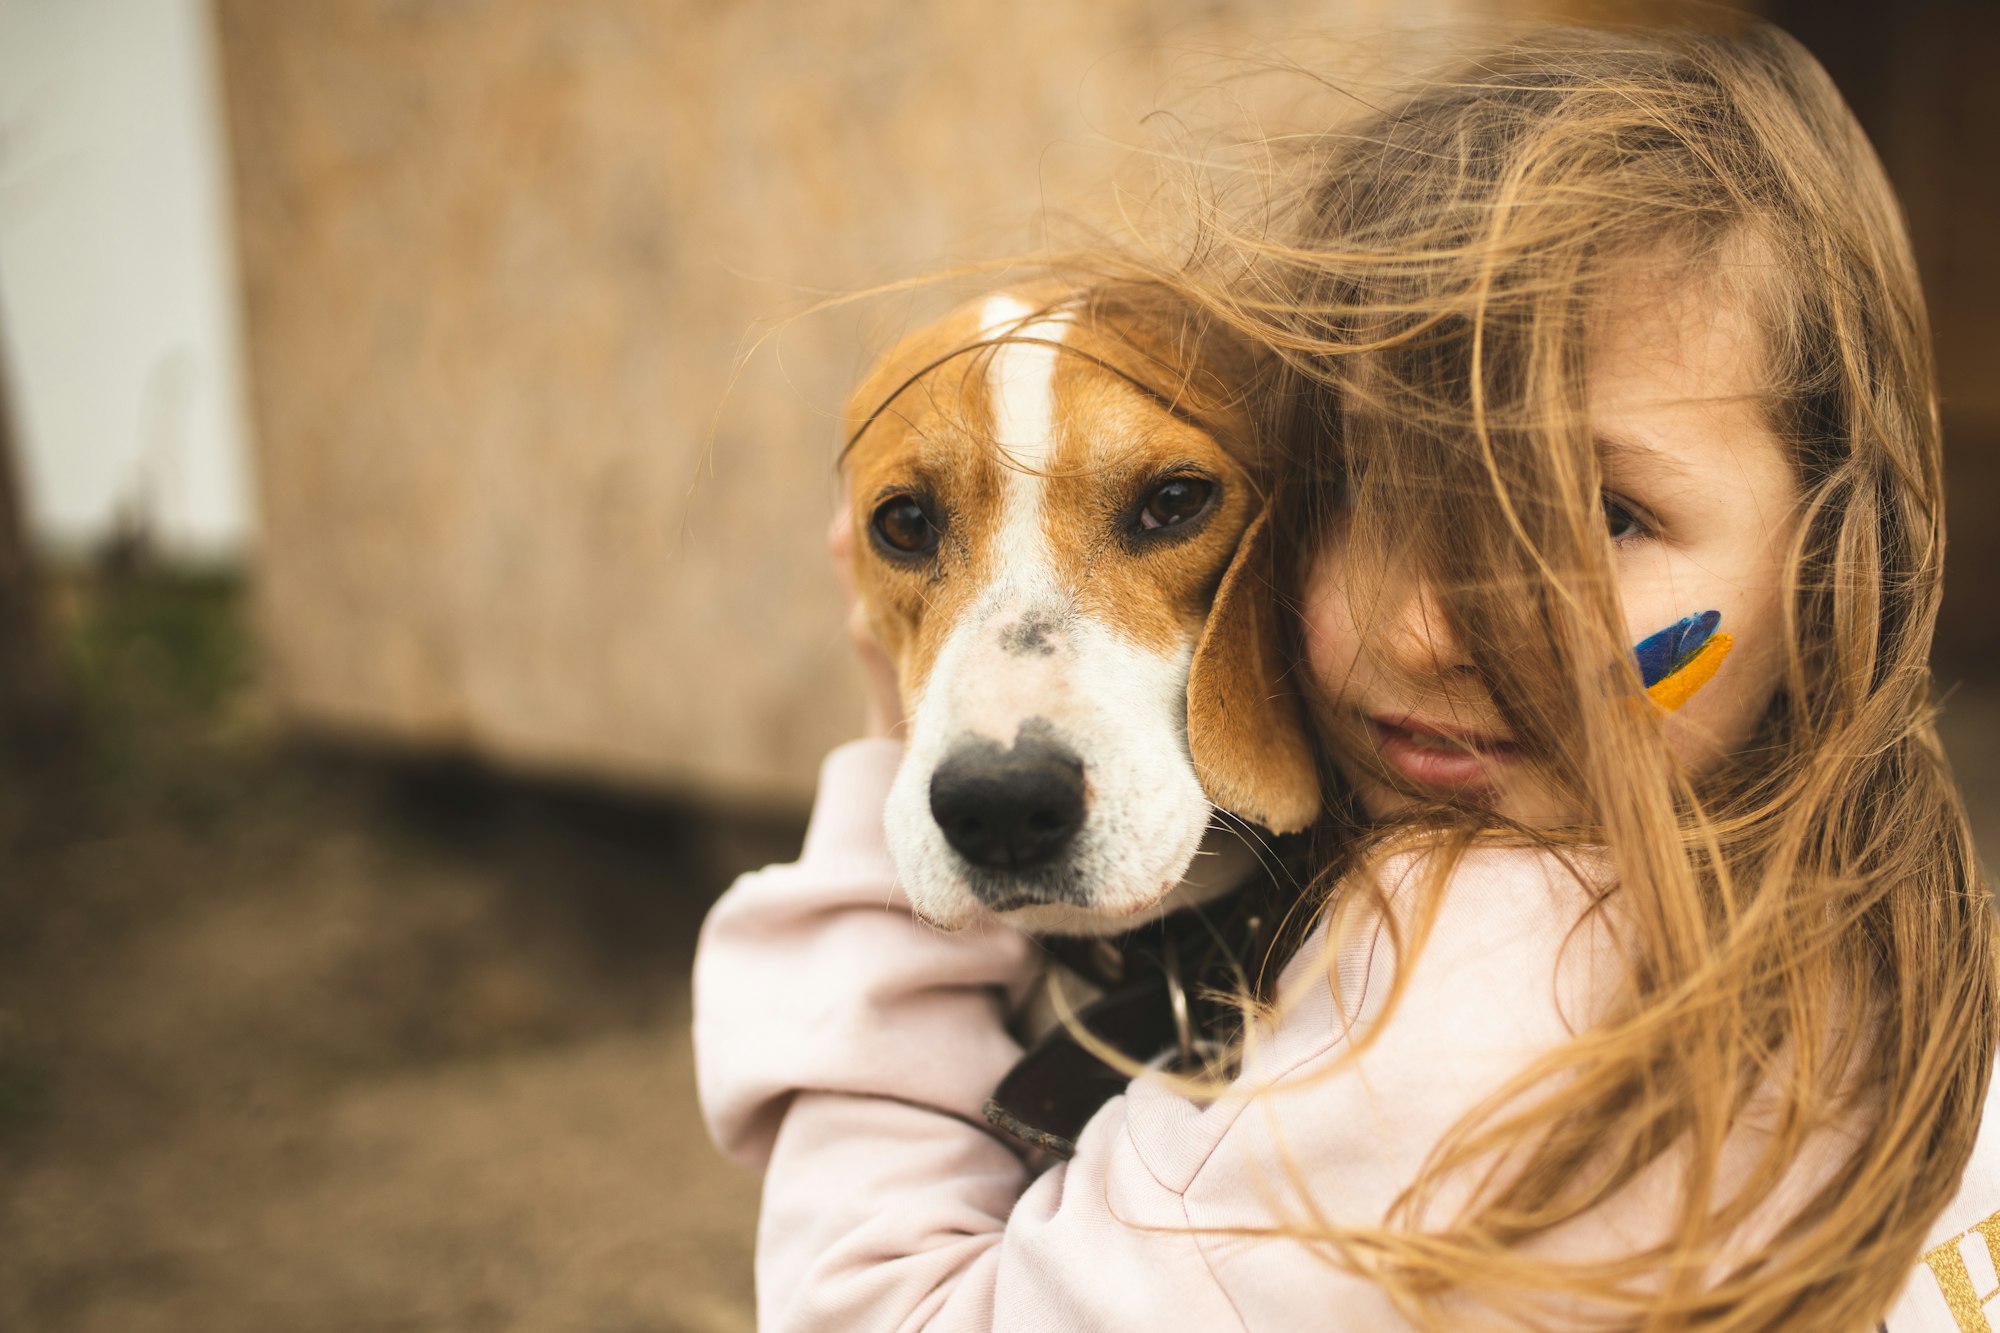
(500, 261)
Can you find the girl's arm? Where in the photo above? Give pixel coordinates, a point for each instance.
(847, 1049)
(815, 976)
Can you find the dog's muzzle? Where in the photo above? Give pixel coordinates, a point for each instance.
(1010, 810)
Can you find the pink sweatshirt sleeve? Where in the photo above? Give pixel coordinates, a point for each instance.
(847, 1049)
(815, 977)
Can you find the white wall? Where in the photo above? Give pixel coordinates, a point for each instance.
(118, 316)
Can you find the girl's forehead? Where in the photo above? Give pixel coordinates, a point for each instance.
(1704, 335)
(1674, 395)
(1686, 327)
(1677, 385)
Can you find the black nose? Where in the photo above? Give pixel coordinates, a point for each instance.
(1010, 809)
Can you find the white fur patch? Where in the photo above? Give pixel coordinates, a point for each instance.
(1021, 379)
(1021, 393)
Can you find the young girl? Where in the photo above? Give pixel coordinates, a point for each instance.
(1652, 984)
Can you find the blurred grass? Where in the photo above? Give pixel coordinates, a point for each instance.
(162, 716)
(159, 667)
(156, 646)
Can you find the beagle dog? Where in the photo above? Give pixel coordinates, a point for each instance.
(1061, 544)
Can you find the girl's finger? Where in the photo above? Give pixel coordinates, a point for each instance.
(884, 702)
(840, 545)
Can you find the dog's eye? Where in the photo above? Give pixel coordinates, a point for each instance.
(903, 528)
(1175, 500)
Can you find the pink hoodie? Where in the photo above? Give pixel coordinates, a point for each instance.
(847, 1049)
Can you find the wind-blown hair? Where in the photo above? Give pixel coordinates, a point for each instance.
(1807, 921)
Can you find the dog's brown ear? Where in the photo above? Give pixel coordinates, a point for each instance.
(1246, 724)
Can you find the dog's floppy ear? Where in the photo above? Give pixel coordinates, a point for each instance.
(1246, 726)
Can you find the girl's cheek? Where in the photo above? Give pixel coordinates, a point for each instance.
(1329, 628)
(1719, 712)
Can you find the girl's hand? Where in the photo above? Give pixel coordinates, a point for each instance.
(884, 711)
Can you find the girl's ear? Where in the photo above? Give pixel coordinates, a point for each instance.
(1246, 727)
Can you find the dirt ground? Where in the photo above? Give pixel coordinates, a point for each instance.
(298, 1039)
(303, 1040)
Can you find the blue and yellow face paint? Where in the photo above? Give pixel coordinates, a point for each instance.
(1682, 658)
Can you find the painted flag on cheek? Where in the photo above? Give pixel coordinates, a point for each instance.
(1682, 658)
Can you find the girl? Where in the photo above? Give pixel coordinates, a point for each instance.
(1654, 985)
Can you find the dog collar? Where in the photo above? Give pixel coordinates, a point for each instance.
(1165, 1003)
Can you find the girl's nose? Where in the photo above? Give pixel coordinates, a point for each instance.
(1419, 638)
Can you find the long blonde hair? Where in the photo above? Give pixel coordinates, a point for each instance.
(1808, 920)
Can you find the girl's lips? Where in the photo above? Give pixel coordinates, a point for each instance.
(1435, 756)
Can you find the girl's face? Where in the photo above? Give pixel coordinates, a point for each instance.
(1700, 507)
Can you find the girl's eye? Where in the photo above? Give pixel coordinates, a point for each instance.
(1622, 522)
(903, 528)
(1174, 501)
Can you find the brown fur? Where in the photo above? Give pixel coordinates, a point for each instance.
(1136, 395)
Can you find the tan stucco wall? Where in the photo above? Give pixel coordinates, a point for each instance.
(500, 256)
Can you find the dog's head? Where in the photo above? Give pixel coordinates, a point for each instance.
(1060, 540)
